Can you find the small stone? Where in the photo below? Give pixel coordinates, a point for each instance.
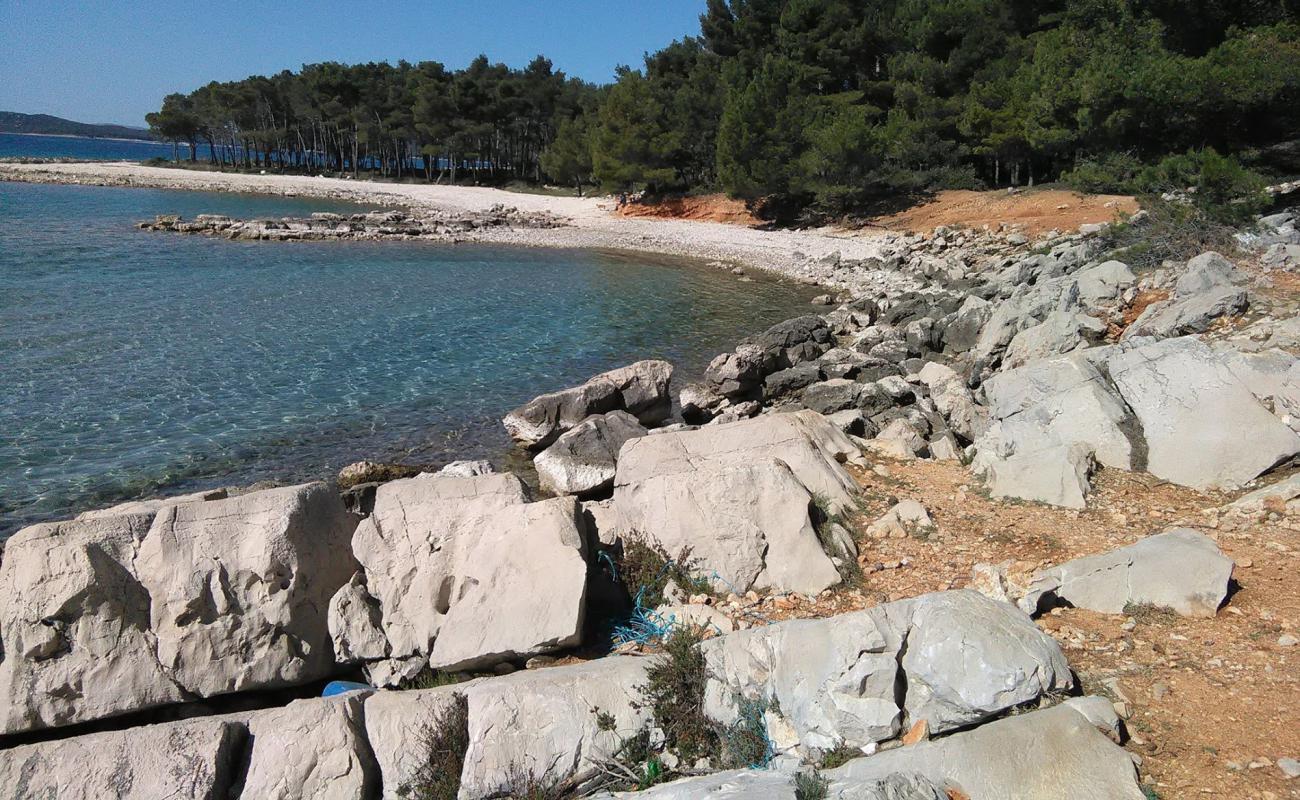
(1159, 690)
(1290, 767)
(1287, 640)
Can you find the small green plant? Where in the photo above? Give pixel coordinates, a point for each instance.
(745, 743)
(840, 756)
(825, 521)
(810, 786)
(645, 569)
(674, 693)
(429, 678)
(1147, 614)
(441, 744)
(1149, 792)
(525, 784)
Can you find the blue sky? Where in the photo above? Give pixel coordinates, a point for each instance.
(113, 60)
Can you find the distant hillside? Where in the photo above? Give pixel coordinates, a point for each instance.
(13, 122)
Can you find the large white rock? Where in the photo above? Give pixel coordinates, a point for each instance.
(1053, 754)
(1060, 332)
(544, 722)
(75, 626)
(1202, 426)
(465, 572)
(582, 460)
(810, 444)
(152, 505)
(310, 749)
(191, 760)
(1181, 570)
(961, 656)
(1103, 283)
(1056, 475)
(395, 727)
(239, 588)
(748, 525)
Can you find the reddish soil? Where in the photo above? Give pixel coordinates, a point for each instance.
(1031, 211)
(707, 208)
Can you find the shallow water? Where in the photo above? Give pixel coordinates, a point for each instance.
(134, 363)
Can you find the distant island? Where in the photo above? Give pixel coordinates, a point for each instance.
(14, 122)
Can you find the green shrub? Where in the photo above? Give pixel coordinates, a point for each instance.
(1112, 173)
(839, 756)
(1223, 190)
(810, 786)
(745, 744)
(441, 744)
(429, 678)
(645, 569)
(674, 693)
(1171, 231)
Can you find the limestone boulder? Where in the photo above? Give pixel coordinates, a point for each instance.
(310, 749)
(1181, 570)
(641, 389)
(396, 728)
(1206, 291)
(545, 722)
(1202, 426)
(737, 374)
(1104, 283)
(954, 400)
(191, 760)
(961, 657)
(794, 341)
(582, 460)
(1060, 332)
(239, 588)
(464, 572)
(1053, 754)
(75, 625)
(1057, 475)
(152, 505)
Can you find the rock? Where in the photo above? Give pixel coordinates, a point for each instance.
(355, 623)
(794, 341)
(697, 615)
(904, 519)
(641, 389)
(1058, 755)
(788, 381)
(1059, 402)
(806, 441)
(738, 374)
(1061, 332)
(962, 332)
(944, 447)
(310, 748)
(1281, 256)
(1104, 283)
(372, 472)
(699, 402)
(108, 615)
(954, 401)
(852, 422)
(900, 439)
(990, 580)
(1186, 439)
(1056, 475)
(836, 680)
(1181, 570)
(152, 506)
(747, 523)
(829, 397)
(545, 721)
(1259, 500)
(779, 785)
(1205, 292)
(1204, 272)
(239, 588)
(436, 551)
(190, 760)
(395, 724)
(1290, 767)
(582, 460)
(467, 469)
(823, 300)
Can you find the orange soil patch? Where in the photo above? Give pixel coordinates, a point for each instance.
(708, 208)
(1031, 212)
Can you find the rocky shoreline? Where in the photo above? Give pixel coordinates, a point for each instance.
(1037, 364)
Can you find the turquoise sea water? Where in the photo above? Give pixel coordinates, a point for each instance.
(37, 146)
(135, 363)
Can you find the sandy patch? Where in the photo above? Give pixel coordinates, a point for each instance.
(1033, 212)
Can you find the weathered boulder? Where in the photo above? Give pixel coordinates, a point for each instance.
(467, 469)
(152, 505)
(191, 760)
(810, 444)
(961, 656)
(1181, 570)
(582, 460)
(774, 785)
(437, 550)
(954, 401)
(788, 381)
(907, 517)
(239, 588)
(641, 389)
(396, 724)
(736, 374)
(828, 397)
(794, 341)
(963, 330)
(1280, 495)
(1184, 398)
(75, 625)
(1060, 332)
(1205, 292)
(545, 722)
(1053, 754)
(1056, 474)
(310, 749)
(1103, 283)
(899, 438)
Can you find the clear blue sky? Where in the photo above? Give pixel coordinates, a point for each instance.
(114, 60)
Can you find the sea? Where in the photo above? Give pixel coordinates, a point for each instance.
(28, 145)
(136, 364)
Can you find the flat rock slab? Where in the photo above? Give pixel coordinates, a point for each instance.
(1053, 754)
(1202, 426)
(961, 656)
(191, 760)
(1181, 570)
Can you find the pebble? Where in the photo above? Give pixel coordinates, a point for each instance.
(1159, 690)
(1290, 767)
(1287, 640)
